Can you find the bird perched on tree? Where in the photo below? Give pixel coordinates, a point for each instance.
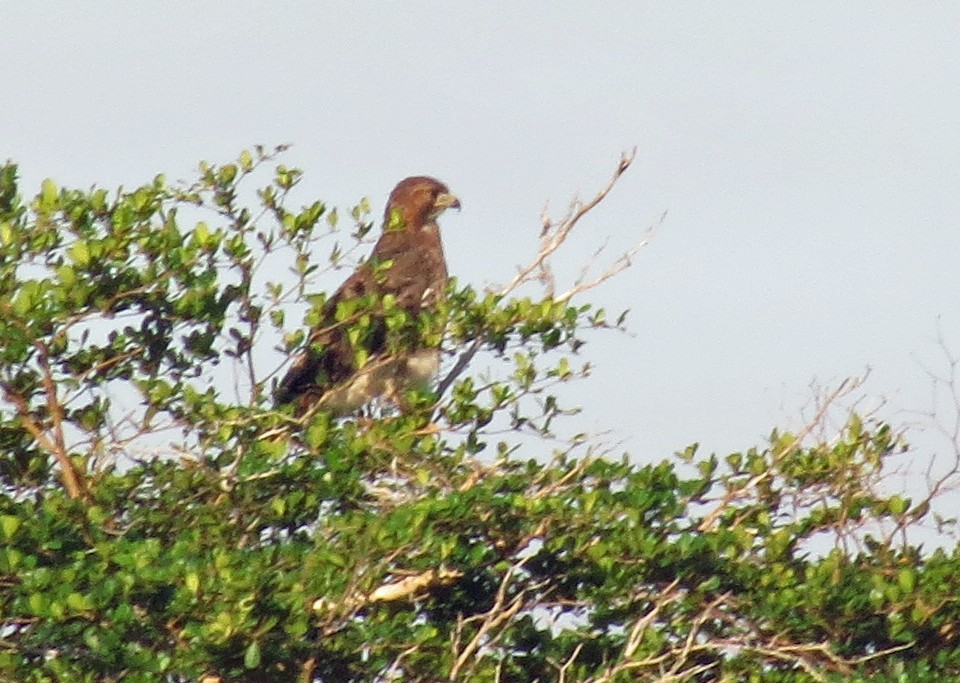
(350, 359)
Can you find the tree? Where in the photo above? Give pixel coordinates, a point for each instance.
(161, 520)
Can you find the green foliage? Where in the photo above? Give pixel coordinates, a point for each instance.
(163, 522)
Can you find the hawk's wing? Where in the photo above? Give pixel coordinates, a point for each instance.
(329, 357)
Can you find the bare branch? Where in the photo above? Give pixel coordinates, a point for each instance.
(498, 614)
(844, 388)
(396, 590)
(552, 235)
(73, 479)
(621, 264)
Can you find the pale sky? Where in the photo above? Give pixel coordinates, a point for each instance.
(808, 155)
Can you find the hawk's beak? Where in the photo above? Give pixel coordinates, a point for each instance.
(445, 200)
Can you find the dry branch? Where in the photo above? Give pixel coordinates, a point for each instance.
(409, 587)
(552, 235)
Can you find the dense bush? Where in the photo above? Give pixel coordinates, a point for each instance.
(161, 520)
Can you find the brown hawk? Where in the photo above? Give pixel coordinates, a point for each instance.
(347, 362)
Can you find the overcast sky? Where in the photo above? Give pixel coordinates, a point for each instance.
(808, 155)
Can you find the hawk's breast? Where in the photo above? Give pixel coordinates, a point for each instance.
(386, 377)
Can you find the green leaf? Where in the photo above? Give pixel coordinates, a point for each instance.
(9, 525)
(80, 253)
(38, 603)
(227, 174)
(67, 275)
(77, 602)
(907, 580)
(48, 195)
(251, 658)
(898, 504)
(201, 233)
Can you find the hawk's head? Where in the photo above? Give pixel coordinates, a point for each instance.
(417, 201)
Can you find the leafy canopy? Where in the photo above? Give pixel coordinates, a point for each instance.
(161, 520)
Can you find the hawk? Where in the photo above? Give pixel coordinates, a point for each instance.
(347, 362)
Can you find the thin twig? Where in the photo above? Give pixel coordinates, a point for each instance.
(552, 236)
